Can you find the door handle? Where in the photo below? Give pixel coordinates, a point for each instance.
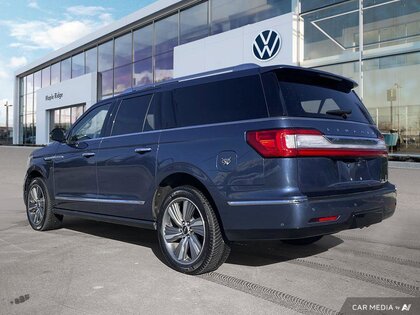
(88, 154)
(142, 150)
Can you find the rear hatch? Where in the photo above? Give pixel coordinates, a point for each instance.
(328, 130)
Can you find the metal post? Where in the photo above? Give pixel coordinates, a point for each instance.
(7, 121)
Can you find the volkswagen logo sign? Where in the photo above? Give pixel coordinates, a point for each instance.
(267, 45)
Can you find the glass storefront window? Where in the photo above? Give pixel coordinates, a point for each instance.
(143, 72)
(166, 34)
(66, 69)
(123, 50)
(29, 84)
(37, 80)
(77, 65)
(123, 78)
(91, 60)
(194, 23)
(143, 42)
(46, 77)
(29, 104)
(388, 23)
(65, 117)
(228, 15)
(55, 73)
(105, 56)
(106, 82)
(164, 66)
(331, 31)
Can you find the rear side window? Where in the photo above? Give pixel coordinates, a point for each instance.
(130, 115)
(221, 101)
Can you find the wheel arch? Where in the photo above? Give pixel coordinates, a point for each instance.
(182, 179)
(31, 174)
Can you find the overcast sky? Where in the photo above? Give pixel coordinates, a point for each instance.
(31, 29)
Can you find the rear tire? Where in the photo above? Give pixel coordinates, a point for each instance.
(303, 241)
(39, 207)
(189, 233)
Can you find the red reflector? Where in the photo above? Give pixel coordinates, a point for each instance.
(324, 219)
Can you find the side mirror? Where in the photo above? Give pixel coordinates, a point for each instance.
(57, 134)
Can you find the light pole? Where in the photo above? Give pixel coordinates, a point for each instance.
(7, 120)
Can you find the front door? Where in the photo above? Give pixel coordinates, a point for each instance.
(75, 184)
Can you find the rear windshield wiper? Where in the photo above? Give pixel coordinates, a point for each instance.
(339, 112)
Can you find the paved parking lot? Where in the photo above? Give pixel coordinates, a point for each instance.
(97, 268)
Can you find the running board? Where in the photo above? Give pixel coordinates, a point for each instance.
(144, 224)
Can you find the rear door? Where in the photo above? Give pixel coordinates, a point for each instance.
(127, 161)
(338, 147)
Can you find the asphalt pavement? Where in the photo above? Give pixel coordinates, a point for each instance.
(88, 267)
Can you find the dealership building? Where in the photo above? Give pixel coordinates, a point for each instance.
(374, 42)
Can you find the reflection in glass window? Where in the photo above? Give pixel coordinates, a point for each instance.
(164, 66)
(65, 69)
(228, 15)
(106, 82)
(55, 73)
(143, 72)
(166, 34)
(46, 77)
(29, 103)
(77, 65)
(123, 50)
(105, 56)
(29, 84)
(90, 126)
(194, 23)
(91, 60)
(65, 117)
(143, 42)
(123, 78)
(37, 80)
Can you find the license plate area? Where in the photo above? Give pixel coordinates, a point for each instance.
(353, 171)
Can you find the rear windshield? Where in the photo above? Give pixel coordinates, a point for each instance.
(308, 99)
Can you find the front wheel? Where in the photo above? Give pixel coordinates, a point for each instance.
(39, 207)
(189, 232)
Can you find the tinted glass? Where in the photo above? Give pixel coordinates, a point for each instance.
(105, 56)
(143, 72)
(164, 66)
(55, 73)
(77, 65)
(123, 50)
(122, 78)
(90, 127)
(46, 77)
(143, 42)
(37, 80)
(66, 69)
(91, 60)
(316, 101)
(228, 15)
(30, 83)
(130, 115)
(222, 101)
(106, 82)
(194, 23)
(166, 34)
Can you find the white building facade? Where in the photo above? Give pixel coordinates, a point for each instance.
(375, 42)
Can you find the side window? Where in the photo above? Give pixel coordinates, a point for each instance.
(221, 101)
(90, 126)
(130, 115)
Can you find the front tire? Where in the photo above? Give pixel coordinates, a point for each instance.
(39, 207)
(189, 233)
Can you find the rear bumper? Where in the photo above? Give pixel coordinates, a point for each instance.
(290, 219)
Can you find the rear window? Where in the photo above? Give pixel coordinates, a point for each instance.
(323, 100)
(220, 101)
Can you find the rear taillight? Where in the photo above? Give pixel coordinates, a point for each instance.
(307, 142)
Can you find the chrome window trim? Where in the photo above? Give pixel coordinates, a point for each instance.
(115, 201)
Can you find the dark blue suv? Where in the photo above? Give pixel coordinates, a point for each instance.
(247, 153)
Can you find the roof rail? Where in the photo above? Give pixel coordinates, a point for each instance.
(241, 67)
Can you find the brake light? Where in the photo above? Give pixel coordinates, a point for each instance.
(307, 142)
